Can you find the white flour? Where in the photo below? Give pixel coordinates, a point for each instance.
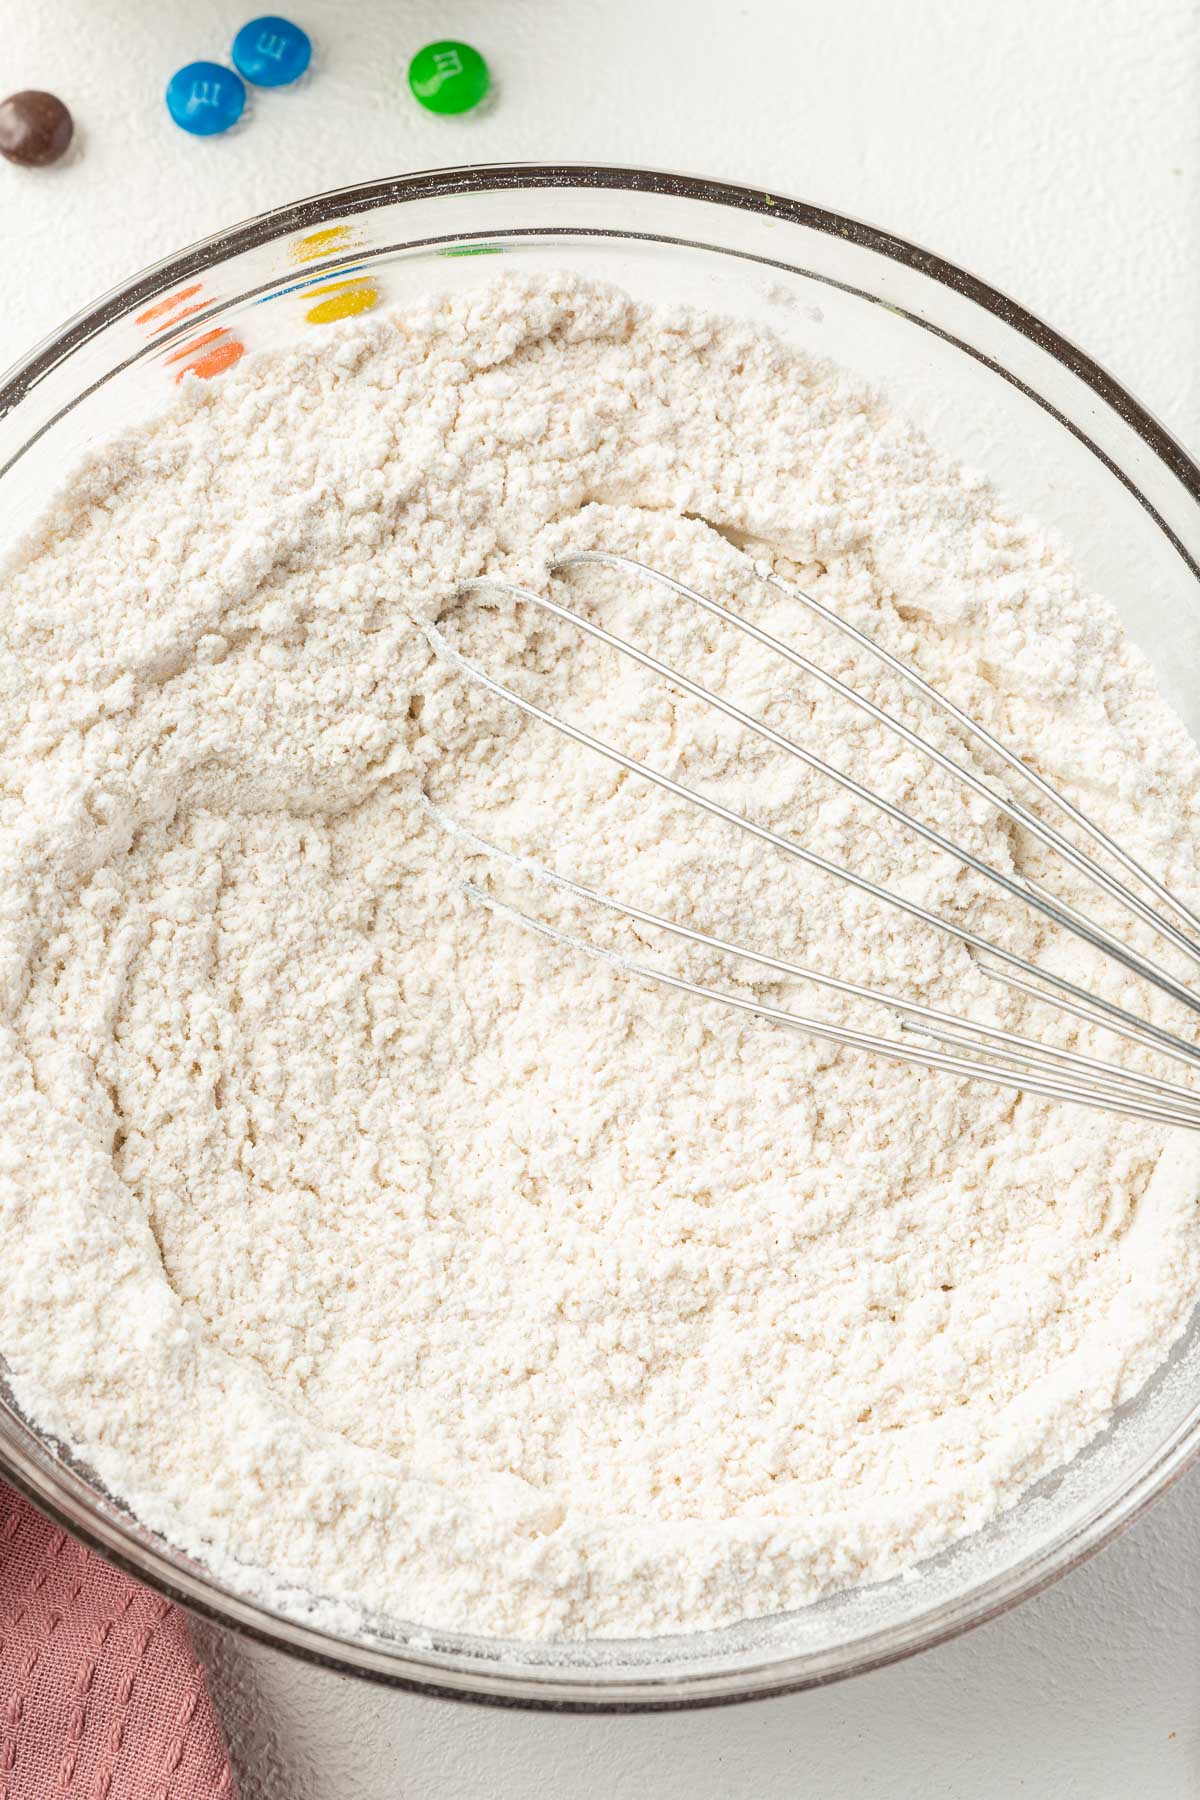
(362, 1239)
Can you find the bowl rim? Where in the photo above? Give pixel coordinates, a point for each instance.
(592, 1690)
(344, 202)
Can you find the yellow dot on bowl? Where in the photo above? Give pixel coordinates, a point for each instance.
(345, 298)
(320, 243)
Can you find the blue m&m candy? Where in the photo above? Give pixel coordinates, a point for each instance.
(271, 52)
(205, 98)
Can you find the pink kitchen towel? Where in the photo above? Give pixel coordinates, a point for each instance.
(101, 1695)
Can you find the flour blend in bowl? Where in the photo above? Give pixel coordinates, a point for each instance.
(371, 1245)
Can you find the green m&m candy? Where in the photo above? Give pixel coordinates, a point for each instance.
(448, 77)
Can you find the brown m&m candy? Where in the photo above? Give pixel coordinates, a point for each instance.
(35, 128)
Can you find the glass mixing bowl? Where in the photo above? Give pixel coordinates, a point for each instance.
(992, 385)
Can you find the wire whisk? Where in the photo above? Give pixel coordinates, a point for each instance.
(929, 1037)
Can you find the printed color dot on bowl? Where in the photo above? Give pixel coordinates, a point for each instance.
(205, 98)
(448, 77)
(271, 52)
(346, 298)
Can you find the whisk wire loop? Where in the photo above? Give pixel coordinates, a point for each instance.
(969, 1048)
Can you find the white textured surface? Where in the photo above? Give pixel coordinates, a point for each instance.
(1053, 147)
(1087, 1693)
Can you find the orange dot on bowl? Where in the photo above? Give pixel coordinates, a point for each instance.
(197, 343)
(172, 300)
(221, 356)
